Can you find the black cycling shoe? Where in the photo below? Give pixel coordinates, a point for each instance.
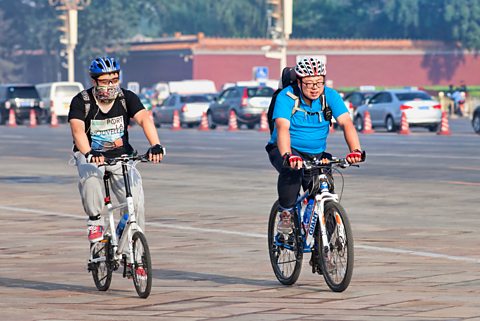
(316, 266)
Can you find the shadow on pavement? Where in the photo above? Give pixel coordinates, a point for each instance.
(220, 279)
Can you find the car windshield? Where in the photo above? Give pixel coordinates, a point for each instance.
(67, 91)
(260, 92)
(22, 92)
(418, 95)
(194, 99)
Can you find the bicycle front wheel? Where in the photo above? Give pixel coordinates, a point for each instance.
(336, 257)
(286, 251)
(101, 270)
(142, 274)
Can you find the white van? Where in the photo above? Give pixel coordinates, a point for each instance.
(56, 96)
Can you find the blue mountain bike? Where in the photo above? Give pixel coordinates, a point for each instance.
(325, 232)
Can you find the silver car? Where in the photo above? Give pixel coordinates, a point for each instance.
(386, 108)
(190, 109)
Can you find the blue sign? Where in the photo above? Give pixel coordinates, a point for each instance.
(260, 73)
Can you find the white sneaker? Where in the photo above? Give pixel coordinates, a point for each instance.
(95, 230)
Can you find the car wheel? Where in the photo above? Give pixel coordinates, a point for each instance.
(2, 119)
(359, 123)
(390, 124)
(211, 123)
(156, 122)
(433, 127)
(476, 123)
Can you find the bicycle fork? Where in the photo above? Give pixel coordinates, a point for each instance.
(321, 199)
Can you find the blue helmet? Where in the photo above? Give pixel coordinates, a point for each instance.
(103, 65)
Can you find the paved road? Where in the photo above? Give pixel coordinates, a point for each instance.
(413, 206)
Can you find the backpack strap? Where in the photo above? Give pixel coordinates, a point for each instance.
(86, 100)
(296, 103)
(123, 100)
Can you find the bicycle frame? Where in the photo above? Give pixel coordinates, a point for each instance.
(131, 225)
(321, 197)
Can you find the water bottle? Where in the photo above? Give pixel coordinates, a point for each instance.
(307, 214)
(121, 225)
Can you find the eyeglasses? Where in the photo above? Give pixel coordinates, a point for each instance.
(106, 82)
(310, 85)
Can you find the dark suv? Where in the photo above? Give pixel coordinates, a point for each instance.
(21, 99)
(247, 102)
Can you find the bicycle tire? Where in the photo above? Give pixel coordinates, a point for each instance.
(337, 262)
(102, 271)
(286, 260)
(142, 274)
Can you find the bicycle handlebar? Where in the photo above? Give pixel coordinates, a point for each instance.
(339, 162)
(124, 159)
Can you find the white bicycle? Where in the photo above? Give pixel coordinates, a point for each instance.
(131, 248)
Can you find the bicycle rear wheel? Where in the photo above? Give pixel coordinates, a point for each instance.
(286, 251)
(142, 274)
(336, 257)
(102, 270)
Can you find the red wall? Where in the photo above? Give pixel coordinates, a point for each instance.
(352, 70)
(403, 70)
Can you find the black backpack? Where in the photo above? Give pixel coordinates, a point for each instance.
(289, 78)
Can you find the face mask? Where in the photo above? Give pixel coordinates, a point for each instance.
(106, 94)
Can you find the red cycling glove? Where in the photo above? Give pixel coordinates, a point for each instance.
(291, 160)
(355, 154)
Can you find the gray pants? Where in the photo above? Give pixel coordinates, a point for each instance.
(92, 189)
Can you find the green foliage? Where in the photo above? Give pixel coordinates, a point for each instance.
(7, 67)
(464, 19)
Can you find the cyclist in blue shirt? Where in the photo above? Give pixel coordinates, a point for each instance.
(301, 131)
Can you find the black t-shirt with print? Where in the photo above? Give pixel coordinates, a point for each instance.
(107, 132)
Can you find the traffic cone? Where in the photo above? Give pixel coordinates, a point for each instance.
(204, 123)
(404, 128)
(232, 121)
(54, 121)
(263, 123)
(367, 124)
(444, 128)
(176, 121)
(33, 118)
(12, 122)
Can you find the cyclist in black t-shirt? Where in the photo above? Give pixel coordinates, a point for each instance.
(99, 119)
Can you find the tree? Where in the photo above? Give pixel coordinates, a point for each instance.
(7, 65)
(464, 19)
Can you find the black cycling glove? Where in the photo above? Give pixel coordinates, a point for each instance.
(91, 154)
(157, 150)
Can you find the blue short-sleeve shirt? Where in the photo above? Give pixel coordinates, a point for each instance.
(308, 132)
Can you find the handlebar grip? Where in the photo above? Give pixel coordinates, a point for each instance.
(364, 155)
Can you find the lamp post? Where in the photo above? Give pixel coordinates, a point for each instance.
(69, 16)
(280, 28)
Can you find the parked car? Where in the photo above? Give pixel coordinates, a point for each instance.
(386, 108)
(190, 109)
(357, 98)
(21, 98)
(146, 102)
(476, 120)
(247, 103)
(57, 96)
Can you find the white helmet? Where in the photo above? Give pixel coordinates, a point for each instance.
(310, 67)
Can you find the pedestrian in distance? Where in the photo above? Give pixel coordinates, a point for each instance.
(99, 118)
